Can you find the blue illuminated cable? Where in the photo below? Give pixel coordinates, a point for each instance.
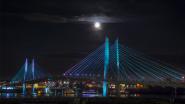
(93, 63)
(145, 64)
(84, 68)
(84, 60)
(153, 65)
(143, 69)
(167, 68)
(74, 68)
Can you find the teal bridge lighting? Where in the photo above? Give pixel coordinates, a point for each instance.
(29, 72)
(106, 65)
(119, 63)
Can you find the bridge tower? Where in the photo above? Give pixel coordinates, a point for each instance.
(26, 65)
(118, 67)
(25, 73)
(33, 75)
(106, 66)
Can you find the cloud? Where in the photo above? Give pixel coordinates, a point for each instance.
(46, 18)
(100, 18)
(81, 19)
(57, 18)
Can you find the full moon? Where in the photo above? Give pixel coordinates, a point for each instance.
(97, 25)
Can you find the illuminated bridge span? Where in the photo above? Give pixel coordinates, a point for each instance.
(122, 64)
(29, 72)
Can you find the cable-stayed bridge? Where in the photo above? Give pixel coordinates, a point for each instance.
(109, 63)
(30, 72)
(119, 63)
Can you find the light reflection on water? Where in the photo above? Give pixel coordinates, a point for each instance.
(17, 95)
(8, 95)
(91, 95)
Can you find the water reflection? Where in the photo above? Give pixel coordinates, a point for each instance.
(35, 95)
(8, 95)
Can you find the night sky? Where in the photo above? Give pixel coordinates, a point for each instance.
(58, 33)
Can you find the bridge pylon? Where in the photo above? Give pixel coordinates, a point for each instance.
(106, 66)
